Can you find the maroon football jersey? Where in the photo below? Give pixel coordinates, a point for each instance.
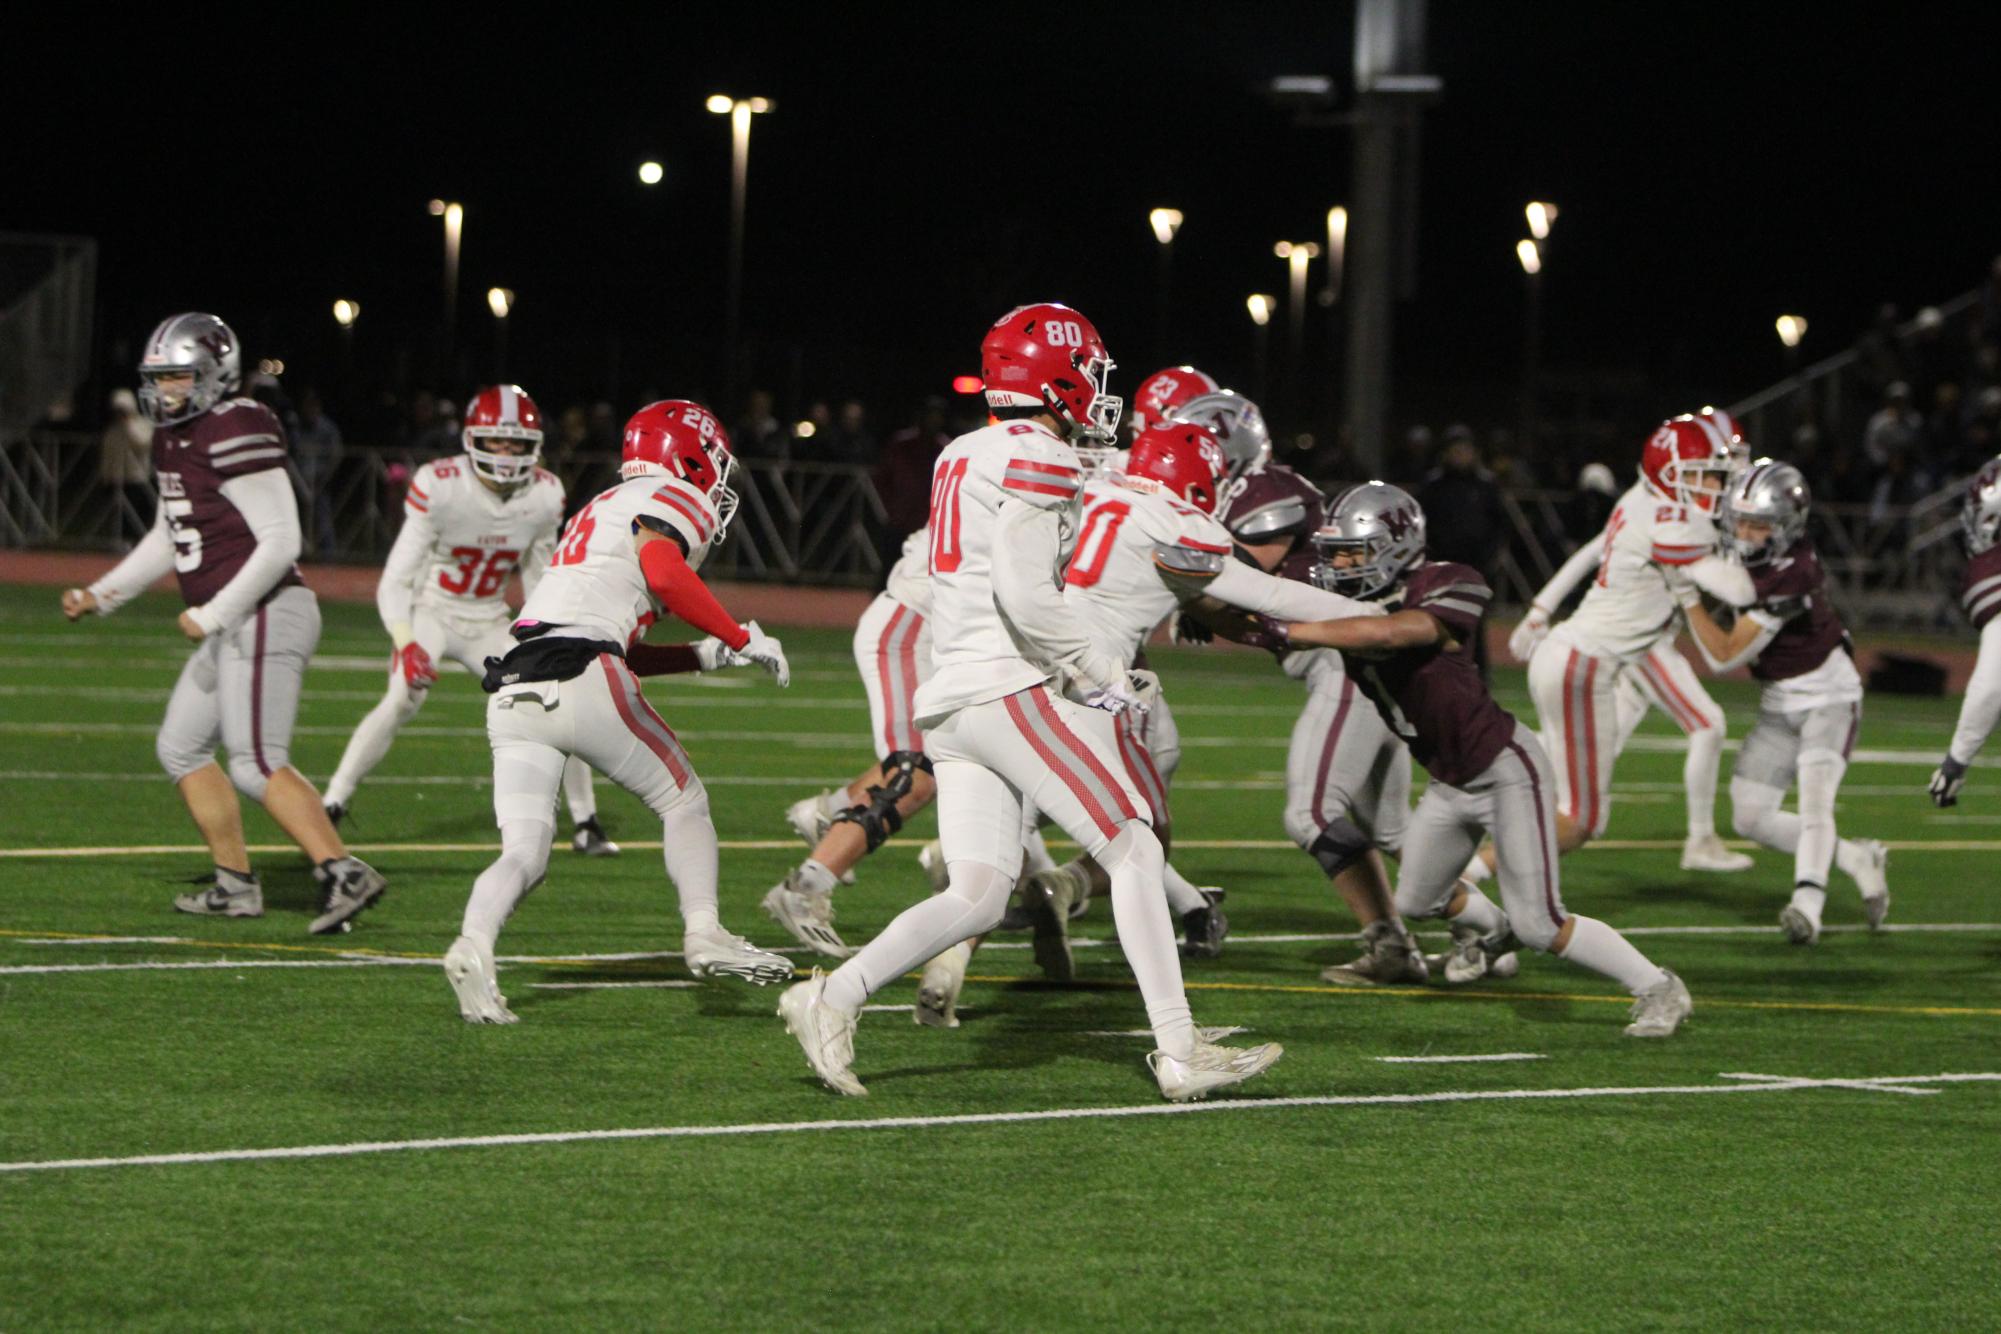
(191, 462)
(1277, 505)
(1433, 697)
(1980, 591)
(1804, 642)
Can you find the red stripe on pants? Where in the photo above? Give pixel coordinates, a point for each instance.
(664, 750)
(1570, 739)
(889, 693)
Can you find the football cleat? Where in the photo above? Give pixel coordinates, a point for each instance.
(1210, 1068)
(717, 953)
(475, 981)
(809, 917)
(938, 991)
(1047, 896)
(336, 812)
(348, 886)
(1389, 958)
(243, 898)
(590, 840)
(1799, 925)
(1872, 877)
(1474, 956)
(825, 1034)
(1205, 927)
(1709, 854)
(1659, 1010)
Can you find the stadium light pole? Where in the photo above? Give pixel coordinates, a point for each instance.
(739, 110)
(1296, 254)
(1529, 253)
(1792, 328)
(1260, 305)
(500, 301)
(1165, 222)
(454, 218)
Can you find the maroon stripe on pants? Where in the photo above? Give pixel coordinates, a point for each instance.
(1854, 725)
(1546, 842)
(1328, 747)
(257, 698)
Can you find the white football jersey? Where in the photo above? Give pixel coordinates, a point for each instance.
(461, 540)
(974, 655)
(1112, 579)
(1628, 606)
(594, 585)
(910, 578)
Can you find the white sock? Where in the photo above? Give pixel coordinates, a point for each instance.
(1601, 949)
(1182, 897)
(1698, 780)
(970, 905)
(579, 791)
(1134, 862)
(688, 849)
(1479, 913)
(833, 803)
(815, 878)
(1035, 854)
(524, 857)
(371, 739)
(1810, 899)
(1476, 870)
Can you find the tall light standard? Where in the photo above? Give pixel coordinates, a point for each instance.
(1337, 250)
(1260, 306)
(454, 218)
(1296, 254)
(1330, 297)
(739, 110)
(1792, 328)
(1166, 222)
(500, 301)
(1530, 255)
(345, 313)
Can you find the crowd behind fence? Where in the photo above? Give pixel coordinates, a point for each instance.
(1893, 568)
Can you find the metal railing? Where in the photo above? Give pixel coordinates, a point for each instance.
(45, 331)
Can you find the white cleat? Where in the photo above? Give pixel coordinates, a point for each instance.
(1873, 878)
(938, 992)
(809, 917)
(718, 953)
(1210, 1068)
(1800, 928)
(1473, 957)
(932, 858)
(1389, 958)
(475, 981)
(809, 819)
(825, 1034)
(1709, 854)
(1659, 1010)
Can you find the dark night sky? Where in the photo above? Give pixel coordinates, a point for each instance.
(1715, 165)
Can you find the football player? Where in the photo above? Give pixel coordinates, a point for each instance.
(1021, 712)
(468, 523)
(1347, 776)
(228, 527)
(1980, 594)
(1663, 526)
(1488, 772)
(569, 688)
(1162, 392)
(1811, 706)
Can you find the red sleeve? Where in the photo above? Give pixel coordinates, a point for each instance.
(662, 659)
(682, 592)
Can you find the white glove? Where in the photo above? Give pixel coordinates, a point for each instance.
(767, 653)
(1680, 587)
(712, 654)
(1534, 628)
(1146, 689)
(1135, 690)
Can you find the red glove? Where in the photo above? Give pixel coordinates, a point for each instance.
(682, 592)
(415, 665)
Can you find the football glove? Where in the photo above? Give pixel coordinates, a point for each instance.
(712, 654)
(415, 666)
(1185, 629)
(766, 652)
(1532, 630)
(1947, 780)
(1114, 700)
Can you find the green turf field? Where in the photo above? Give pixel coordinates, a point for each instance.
(1701, 1182)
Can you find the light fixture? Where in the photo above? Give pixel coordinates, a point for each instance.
(1540, 216)
(271, 366)
(1530, 255)
(967, 384)
(650, 173)
(437, 208)
(1791, 329)
(719, 104)
(1260, 307)
(500, 301)
(803, 430)
(1166, 222)
(346, 313)
(1306, 249)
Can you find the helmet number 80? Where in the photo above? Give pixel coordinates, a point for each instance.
(1063, 333)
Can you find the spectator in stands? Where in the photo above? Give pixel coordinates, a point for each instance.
(124, 453)
(850, 440)
(1880, 353)
(316, 448)
(1931, 355)
(1896, 429)
(1464, 518)
(760, 436)
(1409, 462)
(903, 476)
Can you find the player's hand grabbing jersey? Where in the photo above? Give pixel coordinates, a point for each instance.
(1112, 577)
(461, 540)
(1629, 604)
(594, 581)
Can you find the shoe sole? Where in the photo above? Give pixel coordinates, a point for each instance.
(333, 918)
(1227, 1081)
(1876, 911)
(1723, 866)
(474, 1006)
(826, 942)
(934, 1009)
(1799, 931)
(232, 911)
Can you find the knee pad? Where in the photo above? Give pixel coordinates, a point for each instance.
(1340, 845)
(180, 756)
(251, 780)
(1750, 805)
(878, 817)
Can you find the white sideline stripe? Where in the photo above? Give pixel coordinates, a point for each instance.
(1743, 1084)
(614, 986)
(1456, 1060)
(209, 965)
(112, 940)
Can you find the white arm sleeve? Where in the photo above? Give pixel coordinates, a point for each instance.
(1981, 708)
(264, 499)
(1572, 573)
(1724, 580)
(152, 559)
(1031, 600)
(1768, 630)
(396, 591)
(1286, 599)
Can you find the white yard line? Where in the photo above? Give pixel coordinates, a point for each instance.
(613, 986)
(1740, 1084)
(1462, 1060)
(213, 965)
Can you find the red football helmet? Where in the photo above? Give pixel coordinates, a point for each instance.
(1048, 356)
(1163, 391)
(677, 438)
(1724, 425)
(503, 412)
(1680, 451)
(1184, 459)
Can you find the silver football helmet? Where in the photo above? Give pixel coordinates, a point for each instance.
(1769, 493)
(1980, 514)
(196, 345)
(1380, 522)
(1237, 425)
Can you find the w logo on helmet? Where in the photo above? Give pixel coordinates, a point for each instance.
(217, 343)
(1399, 521)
